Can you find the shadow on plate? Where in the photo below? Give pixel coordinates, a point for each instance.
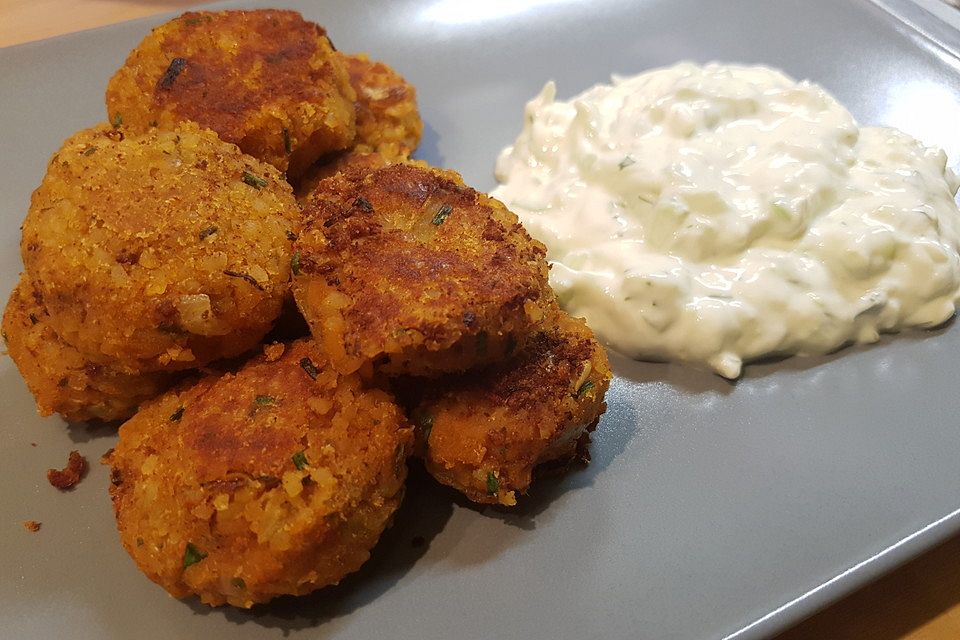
(619, 425)
(429, 148)
(81, 432)
(693, 380)
(426, 510)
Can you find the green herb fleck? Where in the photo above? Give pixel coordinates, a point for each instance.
(139, 542)
(192, 555)
(295, 263)
(442, 214)
(626, 162)
(291, 236)
(493, 485)
(586, 386)
(265, 400)
(176, 415)
(117, 120)
(781, 211)
(206, 233)
(238, 583)
(90, 151)
(299, 460)
(286, 142)
(309, 367)
(194, 20)
(253, 180)
(364, 204)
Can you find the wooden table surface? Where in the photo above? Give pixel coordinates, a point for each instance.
(919, 601)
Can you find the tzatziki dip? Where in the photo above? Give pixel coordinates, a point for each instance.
(718, 214)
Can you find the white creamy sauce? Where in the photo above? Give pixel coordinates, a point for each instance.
(719, 214)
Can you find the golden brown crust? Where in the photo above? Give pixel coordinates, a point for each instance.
(401, 264)
(353, 161)
(162, 251)
(265, 80)
(388, 121)
(63, 380)
(484, 432)
(275, 480)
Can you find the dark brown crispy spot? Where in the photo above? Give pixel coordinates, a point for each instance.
(127, 256)
(166, 309)
(210, 89)
(227, 485)
(70, 475)
(548, 361)
(37, 297)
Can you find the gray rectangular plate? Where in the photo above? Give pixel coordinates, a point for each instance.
(711, 509)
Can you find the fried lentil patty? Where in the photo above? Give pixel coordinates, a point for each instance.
(63, 380)
(266, 80)
(484, 432)
(275, 480)
(388, 121)
(407, 268)
(160, 251)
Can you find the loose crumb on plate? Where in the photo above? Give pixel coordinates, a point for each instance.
(70, 475)
(31, 525)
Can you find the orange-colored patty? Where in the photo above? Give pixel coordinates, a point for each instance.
(484, 432)
(408, 268)
(266, 80)
(388, 121)
(275, 480)
(160, 251)
(63, 380)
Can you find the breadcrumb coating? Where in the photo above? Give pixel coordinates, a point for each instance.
(265, 80)
(388, 121)
(484, 432)
(275, 480)
(63, 380)
(161, 251)
(354, 161)
(407, 268)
